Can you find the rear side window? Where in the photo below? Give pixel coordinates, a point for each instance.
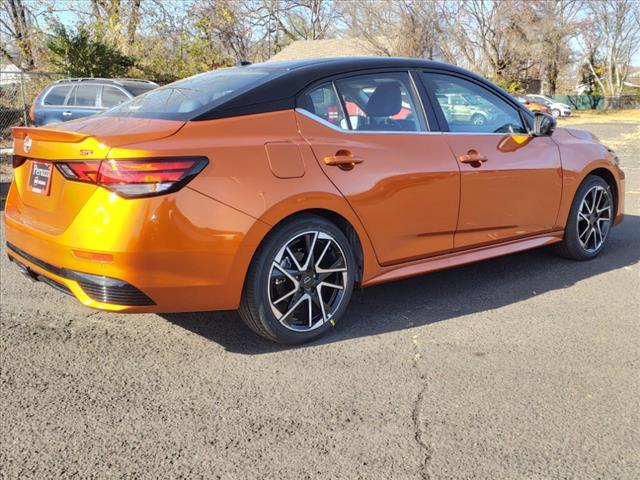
(381, 102)
(470, 108)
(112, 96)
(84, 96)
(192, 96)
(57, 95)
(323, 102)
(374, 103)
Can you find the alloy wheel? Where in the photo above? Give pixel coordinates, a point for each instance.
(307, 281)
(594, 218)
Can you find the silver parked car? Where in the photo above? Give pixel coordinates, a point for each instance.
(556, 109)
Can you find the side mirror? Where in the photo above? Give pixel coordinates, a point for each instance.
(543, 124)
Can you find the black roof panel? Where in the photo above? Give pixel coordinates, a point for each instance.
(281, 92)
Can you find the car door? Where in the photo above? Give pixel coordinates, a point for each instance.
(399, 178)
(511, 182)
(82, 102)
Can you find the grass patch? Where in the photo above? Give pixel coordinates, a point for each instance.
(602, 116)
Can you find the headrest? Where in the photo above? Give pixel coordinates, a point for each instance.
(385, 101)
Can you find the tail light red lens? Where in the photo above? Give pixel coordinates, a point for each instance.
(80, 171)
(136, 177)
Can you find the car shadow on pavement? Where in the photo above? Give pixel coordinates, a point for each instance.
(437, 296)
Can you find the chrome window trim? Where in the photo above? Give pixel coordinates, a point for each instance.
(528, 134)
(330, 125)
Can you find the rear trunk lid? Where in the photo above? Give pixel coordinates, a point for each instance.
(88, 139)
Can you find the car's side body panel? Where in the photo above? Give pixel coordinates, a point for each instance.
(240, 173)
(515, 193)
(405, 191)
(581, 155)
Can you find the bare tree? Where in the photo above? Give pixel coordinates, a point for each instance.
(555, 24)
(16, 22)
(306, 19)
(396, 27)
(492, 34)
(612, 37)
(227, 27)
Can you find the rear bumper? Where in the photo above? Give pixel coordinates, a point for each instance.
(95, 288)
(173, 253)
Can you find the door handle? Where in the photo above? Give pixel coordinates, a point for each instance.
(343, 159)
(66, 114)
(473, 158)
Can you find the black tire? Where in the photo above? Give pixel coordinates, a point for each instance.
(571, 246)
(555, 112)
(256, 309)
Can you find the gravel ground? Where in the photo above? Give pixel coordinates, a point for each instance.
(522, 367)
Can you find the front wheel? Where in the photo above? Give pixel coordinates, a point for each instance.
(555, 112)
(478, 119)
(300, 281)
(590, 220)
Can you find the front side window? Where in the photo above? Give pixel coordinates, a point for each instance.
(381, 102)
(84, 96)
(112, 96)
(57, 95)
(468, 107)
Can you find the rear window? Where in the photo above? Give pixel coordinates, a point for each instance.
(192, 96)
(57, 95)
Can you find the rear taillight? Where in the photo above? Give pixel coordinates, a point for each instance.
(32, 112)
(80, 171)
(136, 177)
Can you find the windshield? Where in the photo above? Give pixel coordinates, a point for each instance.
(186, 99)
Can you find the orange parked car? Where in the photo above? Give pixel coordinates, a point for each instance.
(532, 105)
(275, 188)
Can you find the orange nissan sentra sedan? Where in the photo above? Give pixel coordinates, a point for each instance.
(275, 188)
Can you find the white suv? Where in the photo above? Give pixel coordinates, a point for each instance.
(557, 109)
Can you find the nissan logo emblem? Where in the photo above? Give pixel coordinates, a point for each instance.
(27, 144)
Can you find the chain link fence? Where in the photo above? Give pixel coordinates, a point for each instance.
(18, 90)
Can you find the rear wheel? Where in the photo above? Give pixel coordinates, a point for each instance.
(300, 281)
(590, 220)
